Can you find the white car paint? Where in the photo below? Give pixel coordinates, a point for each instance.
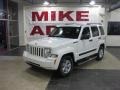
(62, 46)
(52, 42)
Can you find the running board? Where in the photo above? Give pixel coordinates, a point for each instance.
(90, 59)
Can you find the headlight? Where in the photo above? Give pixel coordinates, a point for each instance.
(47, 52)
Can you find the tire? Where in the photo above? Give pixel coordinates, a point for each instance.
(100, 53)
(65, 66)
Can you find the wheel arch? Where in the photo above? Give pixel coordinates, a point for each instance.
(70, 54)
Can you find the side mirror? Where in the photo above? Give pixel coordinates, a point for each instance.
(85, 37)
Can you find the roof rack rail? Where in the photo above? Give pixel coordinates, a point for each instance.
(69, 23)
(94, 23)
(72, 24)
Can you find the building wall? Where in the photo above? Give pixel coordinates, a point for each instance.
(96, 11)
(110, 40)
(113, 40)
(21, 6)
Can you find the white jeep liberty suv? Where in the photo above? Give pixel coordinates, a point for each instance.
(66, 45)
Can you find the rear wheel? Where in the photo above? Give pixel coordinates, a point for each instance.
(66, 66)
(100, 53)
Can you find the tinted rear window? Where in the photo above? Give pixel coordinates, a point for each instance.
(95, 31)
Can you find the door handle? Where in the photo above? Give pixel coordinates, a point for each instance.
(75, 42)
(91, 40)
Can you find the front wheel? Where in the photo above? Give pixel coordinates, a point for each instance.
(66, 66)
(100, 53)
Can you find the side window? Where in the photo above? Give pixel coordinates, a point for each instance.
(95, 31)
(101, 30)
(86, 32)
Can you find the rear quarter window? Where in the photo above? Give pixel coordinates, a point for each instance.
(101, 30)
(95, 31)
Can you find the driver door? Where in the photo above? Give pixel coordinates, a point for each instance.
(85, 43)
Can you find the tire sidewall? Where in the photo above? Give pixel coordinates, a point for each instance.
(67, 57)
(98, 55)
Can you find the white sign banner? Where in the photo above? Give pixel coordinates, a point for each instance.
(40, 21)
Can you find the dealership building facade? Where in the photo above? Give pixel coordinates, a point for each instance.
(23, 21)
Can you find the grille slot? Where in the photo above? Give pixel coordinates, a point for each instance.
(36, 51)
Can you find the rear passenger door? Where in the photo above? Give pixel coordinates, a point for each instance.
(95, 37)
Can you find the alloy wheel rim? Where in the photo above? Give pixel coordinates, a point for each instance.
(101, 53)
(66, 67)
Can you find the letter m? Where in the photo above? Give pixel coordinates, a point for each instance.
(39, 16)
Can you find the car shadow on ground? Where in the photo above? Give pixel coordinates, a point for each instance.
(39, 71)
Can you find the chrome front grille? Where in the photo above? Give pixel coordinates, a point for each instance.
(36, 51)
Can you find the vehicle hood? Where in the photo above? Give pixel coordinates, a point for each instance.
(52, 42)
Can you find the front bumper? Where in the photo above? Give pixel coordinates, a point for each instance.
(46, 63)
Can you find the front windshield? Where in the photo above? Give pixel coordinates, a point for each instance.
(65, 32)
